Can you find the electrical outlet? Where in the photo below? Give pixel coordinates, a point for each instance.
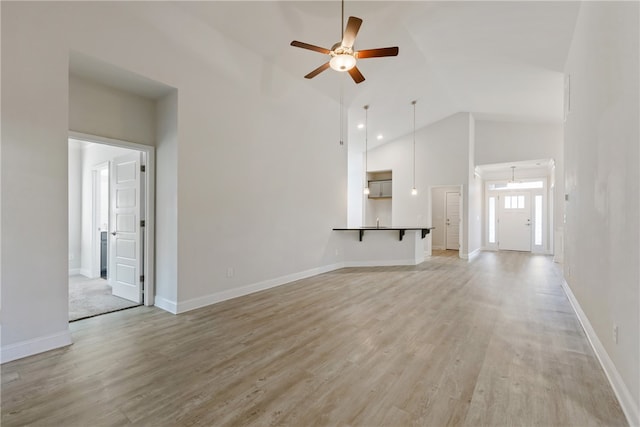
(615, 333)
(229, 271)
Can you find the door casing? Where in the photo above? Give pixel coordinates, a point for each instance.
(148, 181)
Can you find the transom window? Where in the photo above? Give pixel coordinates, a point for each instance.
(527, 185)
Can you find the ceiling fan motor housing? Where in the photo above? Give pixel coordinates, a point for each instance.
(342, 57)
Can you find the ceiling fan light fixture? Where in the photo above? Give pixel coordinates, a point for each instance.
(342, 62)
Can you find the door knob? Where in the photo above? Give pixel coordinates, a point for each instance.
(113, 233)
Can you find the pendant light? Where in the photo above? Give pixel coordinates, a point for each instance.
(414, 190)
(341, 112)
(366, 132)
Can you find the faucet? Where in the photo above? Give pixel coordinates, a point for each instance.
(377, 222)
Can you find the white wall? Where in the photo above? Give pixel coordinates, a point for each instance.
(356, 180)
(378, 209)
(381, 248)
(75, 206)
(261, 179)
(166, 292)
(97, 109)
(442, 158)
(474, 194)
(602, 181)
(34, 175)
(504, 142)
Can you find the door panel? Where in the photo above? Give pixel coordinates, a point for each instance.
(126, 233)
(515, 222)
(452, 237)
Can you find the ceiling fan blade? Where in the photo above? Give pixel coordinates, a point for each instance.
(317, 71)
(377, 53)
(310, 47)
(356, 75)
(350, 32)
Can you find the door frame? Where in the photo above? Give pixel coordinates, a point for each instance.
(448, 189)
(446, 214)
(95, 205)
(546, 247)
(149, 205)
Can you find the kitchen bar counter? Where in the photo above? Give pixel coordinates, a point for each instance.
(401, 230)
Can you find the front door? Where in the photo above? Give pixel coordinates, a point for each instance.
(126, 232)
(515, 222)
(452, 235)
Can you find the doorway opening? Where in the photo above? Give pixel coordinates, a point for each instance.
(446, 217)
(517, 218)
(518, 206)
(110, 226)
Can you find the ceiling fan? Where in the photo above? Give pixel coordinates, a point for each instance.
(343, 56)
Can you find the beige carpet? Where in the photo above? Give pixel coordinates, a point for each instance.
(91, 297)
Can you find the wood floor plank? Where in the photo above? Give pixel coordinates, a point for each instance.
(448, 342)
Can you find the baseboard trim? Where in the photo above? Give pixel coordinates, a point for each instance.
(195, 303)
(34, 346)
(629, 407)
(437, 248)
(228, 294)
(74, 271)
(471, 255)
(165, 304)
(85, 272)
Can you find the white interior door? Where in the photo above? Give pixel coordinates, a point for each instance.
(515, 222)
(126, 232)
(452, 214)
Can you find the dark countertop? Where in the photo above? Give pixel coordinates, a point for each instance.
(373, 227)
(401, 230)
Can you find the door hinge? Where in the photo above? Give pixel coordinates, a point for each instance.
(143, 168)
(142, 278)
(142, 223)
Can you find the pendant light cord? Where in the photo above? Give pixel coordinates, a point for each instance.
(366, 138)
(414, 143)
(342, 23)
(341, 111)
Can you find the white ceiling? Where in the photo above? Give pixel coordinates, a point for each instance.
(496, 59)
(499, 60)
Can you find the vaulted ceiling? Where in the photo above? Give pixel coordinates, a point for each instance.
(501, 60)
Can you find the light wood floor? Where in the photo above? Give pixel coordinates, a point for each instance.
(491, 342)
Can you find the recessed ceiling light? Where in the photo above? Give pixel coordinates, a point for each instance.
(379, 136)
(360, 125)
